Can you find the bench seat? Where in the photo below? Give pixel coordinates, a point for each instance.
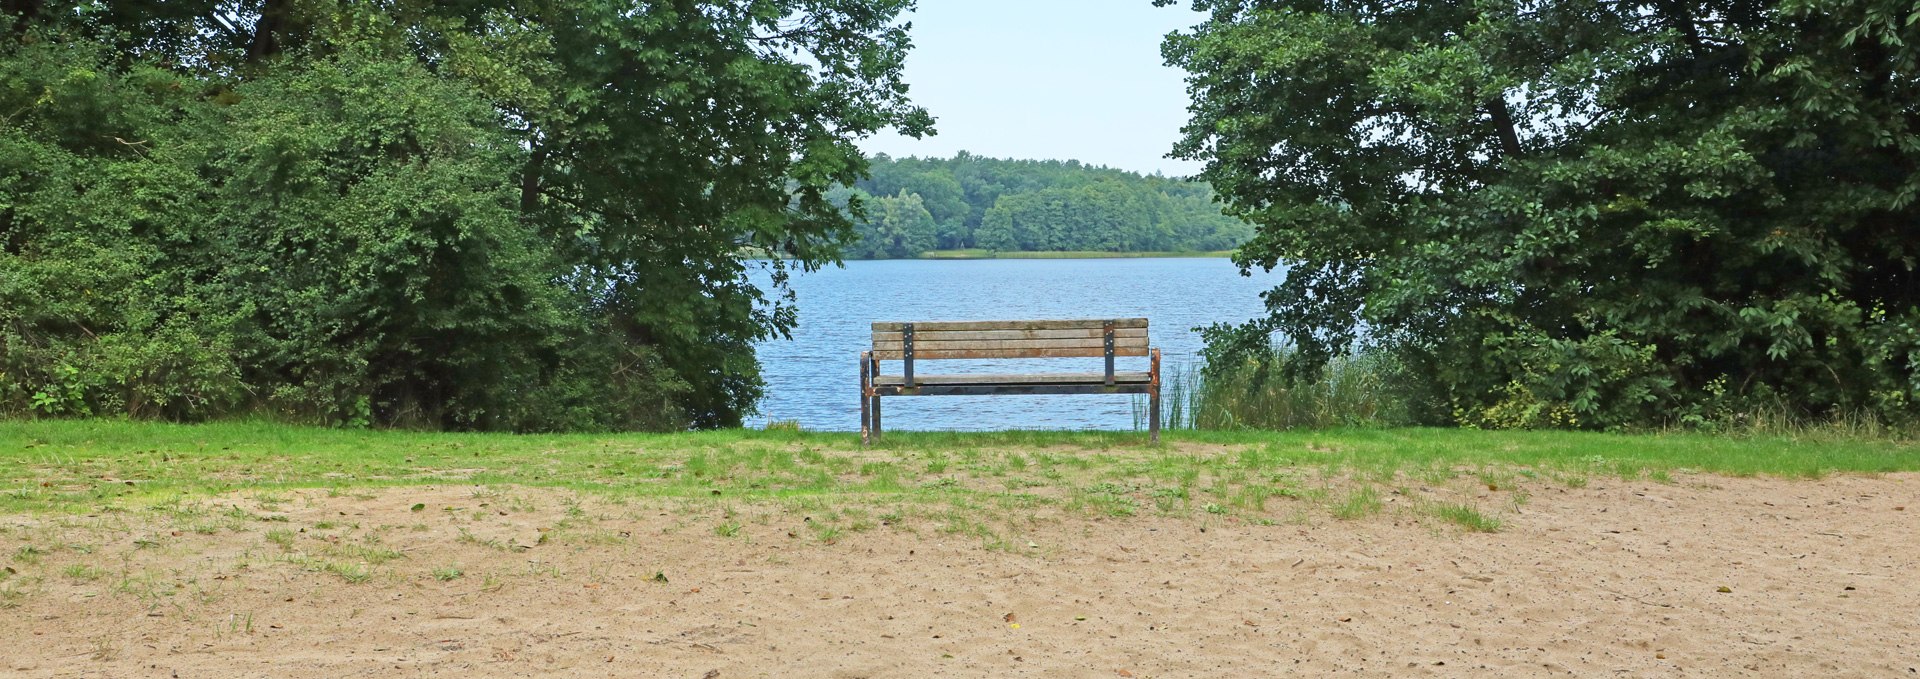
(1102, 338)
(1141, 377)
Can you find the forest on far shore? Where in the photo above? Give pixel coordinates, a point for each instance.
(914, 205)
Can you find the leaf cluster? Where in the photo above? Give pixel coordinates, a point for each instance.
(1593, 214)
(478, 214)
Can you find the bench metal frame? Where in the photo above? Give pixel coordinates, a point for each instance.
(988, 340)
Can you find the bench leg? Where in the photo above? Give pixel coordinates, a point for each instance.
(1153, 416)
(876, 418)
(865, 437)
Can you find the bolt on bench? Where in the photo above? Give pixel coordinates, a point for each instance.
(908, 342)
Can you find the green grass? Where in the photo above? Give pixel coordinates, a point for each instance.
(1468, 517)
(82, 573)
(82, 466)
(979, 253)
(352, 573)
(1351, 391)
(1358, 503)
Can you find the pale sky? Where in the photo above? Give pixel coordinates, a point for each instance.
(1047, 79)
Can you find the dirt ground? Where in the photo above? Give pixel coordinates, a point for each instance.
(1705, 576)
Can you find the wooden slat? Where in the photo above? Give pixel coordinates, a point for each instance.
(1082, 343)
(951, 335)
(1038, 378)
(922, 354)
(1060, 324)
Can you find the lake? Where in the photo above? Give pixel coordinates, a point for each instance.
(814, 377)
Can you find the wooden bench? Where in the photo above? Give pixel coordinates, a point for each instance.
(908, 342)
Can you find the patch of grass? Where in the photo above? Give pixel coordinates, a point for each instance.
(281, 537)
(448, 573)
(371, 554)
(353, 573)
(1102, 473)
(1106, 498)
(11, 596)
(82, 573)
(1357, 503)
(727, 530)
(489, 543)
(827, 533)
(103, 649)
(982, 253)
(1467, 517)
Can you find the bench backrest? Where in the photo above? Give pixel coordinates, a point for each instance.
(1009, 339)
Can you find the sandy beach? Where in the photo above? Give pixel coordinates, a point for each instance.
(1704, 576)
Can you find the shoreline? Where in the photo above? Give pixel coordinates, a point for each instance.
(963, 255)
(1069, 254)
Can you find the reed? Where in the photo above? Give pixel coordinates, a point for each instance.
(977, 253)
(1357, 391)
(1371, 390)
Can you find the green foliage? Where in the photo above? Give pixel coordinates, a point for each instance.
(485, 215)
(1580, 214)
(894, 227)
(1028, 205)
(1245, 391)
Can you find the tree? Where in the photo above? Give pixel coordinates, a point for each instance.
(946, 203)
(1581, 213)
(484, 214)
(895, 227)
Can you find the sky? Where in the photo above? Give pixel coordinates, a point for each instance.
(1047, 79)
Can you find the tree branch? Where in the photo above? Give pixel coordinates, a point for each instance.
(1503, 126)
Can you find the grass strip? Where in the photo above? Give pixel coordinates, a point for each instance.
(79, 465)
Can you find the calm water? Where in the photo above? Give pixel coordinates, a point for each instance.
(814, 378)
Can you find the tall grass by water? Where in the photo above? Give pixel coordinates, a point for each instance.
(1358, 391)
(981, 253)
(1370, 390)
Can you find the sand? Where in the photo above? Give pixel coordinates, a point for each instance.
(1704, 576)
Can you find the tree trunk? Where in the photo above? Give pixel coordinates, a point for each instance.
(1503, 126)
(1676, 15)
(530, 180)
(272, 32)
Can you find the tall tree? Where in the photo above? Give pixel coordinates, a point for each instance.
(484, 214)
(1580, 213)
(894, 227)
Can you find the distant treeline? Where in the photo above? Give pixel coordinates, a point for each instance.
(913, 205)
